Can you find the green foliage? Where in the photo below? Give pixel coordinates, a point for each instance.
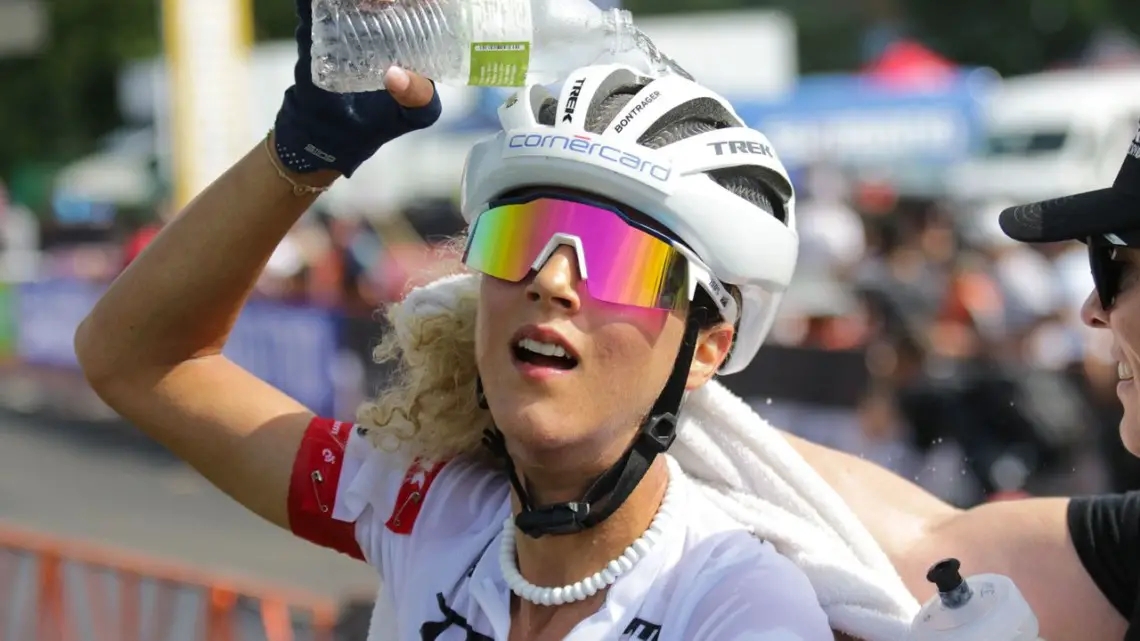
(60, 102)
(273, 19)
(57, 103)
(1012, 36)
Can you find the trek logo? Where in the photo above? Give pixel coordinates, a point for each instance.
(572, 99)
(641, 630)
(586, 146)
(628, 118)
(742, 147)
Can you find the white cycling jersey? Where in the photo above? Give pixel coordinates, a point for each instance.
(433, 535)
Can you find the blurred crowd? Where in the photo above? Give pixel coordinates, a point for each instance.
(357, 265)
(982, 381)
(958, 326)
(350, 264)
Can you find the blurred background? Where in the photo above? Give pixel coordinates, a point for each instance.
(915, 335)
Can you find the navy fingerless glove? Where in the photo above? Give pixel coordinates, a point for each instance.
(318, 129)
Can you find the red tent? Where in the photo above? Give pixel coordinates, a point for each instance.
(907, 63)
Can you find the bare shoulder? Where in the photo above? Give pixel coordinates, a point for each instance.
(1029, 542)
(1026, 540)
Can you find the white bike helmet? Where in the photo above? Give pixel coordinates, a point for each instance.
(685, 183)
(677, 153)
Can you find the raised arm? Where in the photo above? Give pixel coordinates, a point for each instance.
(151, 348)
(1027, 540)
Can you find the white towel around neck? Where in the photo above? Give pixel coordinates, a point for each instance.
(746, 468)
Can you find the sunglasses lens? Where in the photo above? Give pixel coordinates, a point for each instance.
(1106, 273)
(626, 265)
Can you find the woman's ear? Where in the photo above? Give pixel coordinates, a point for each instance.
(713, 346)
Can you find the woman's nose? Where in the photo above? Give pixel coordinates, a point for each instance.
(557, 281)
(1093, 313)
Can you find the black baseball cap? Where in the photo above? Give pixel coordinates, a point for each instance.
(1114, 211)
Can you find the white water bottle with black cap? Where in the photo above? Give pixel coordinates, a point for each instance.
(984, 607)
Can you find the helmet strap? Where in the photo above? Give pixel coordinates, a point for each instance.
(610, 490)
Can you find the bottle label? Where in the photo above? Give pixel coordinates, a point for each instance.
(499, 64)
(502, 38)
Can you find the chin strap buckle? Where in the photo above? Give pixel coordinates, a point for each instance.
(659, 432)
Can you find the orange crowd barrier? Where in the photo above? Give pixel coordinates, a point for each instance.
(52, 589)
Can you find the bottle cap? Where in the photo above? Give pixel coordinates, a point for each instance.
(946, 574)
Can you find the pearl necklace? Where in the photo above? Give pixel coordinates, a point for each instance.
(592, 584)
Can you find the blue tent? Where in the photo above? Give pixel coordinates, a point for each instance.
(855, 120)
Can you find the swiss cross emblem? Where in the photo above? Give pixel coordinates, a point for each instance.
(417, 481)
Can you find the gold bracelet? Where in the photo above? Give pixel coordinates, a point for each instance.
(298, 188)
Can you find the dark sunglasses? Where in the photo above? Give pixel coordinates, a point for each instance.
(1107, 270)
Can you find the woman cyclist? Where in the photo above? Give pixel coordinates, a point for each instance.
(628, 240)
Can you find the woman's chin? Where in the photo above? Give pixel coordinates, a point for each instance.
(1129, 394)
(539, 436)
(540, 430)
(1130, 432)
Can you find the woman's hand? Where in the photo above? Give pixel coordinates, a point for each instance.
(320, 130)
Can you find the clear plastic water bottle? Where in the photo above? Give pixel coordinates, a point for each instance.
(985, 607)
(494, 43)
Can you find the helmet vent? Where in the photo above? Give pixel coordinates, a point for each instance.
(693, 118)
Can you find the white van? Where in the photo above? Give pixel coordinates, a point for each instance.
(1051, 134)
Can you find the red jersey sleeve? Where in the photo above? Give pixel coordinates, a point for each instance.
(314, 485)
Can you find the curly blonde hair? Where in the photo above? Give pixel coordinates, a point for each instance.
(428, 408)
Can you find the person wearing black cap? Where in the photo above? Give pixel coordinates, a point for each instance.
(1077, 561)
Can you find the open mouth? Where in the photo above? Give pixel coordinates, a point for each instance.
(1124, 371)
(542, 354)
